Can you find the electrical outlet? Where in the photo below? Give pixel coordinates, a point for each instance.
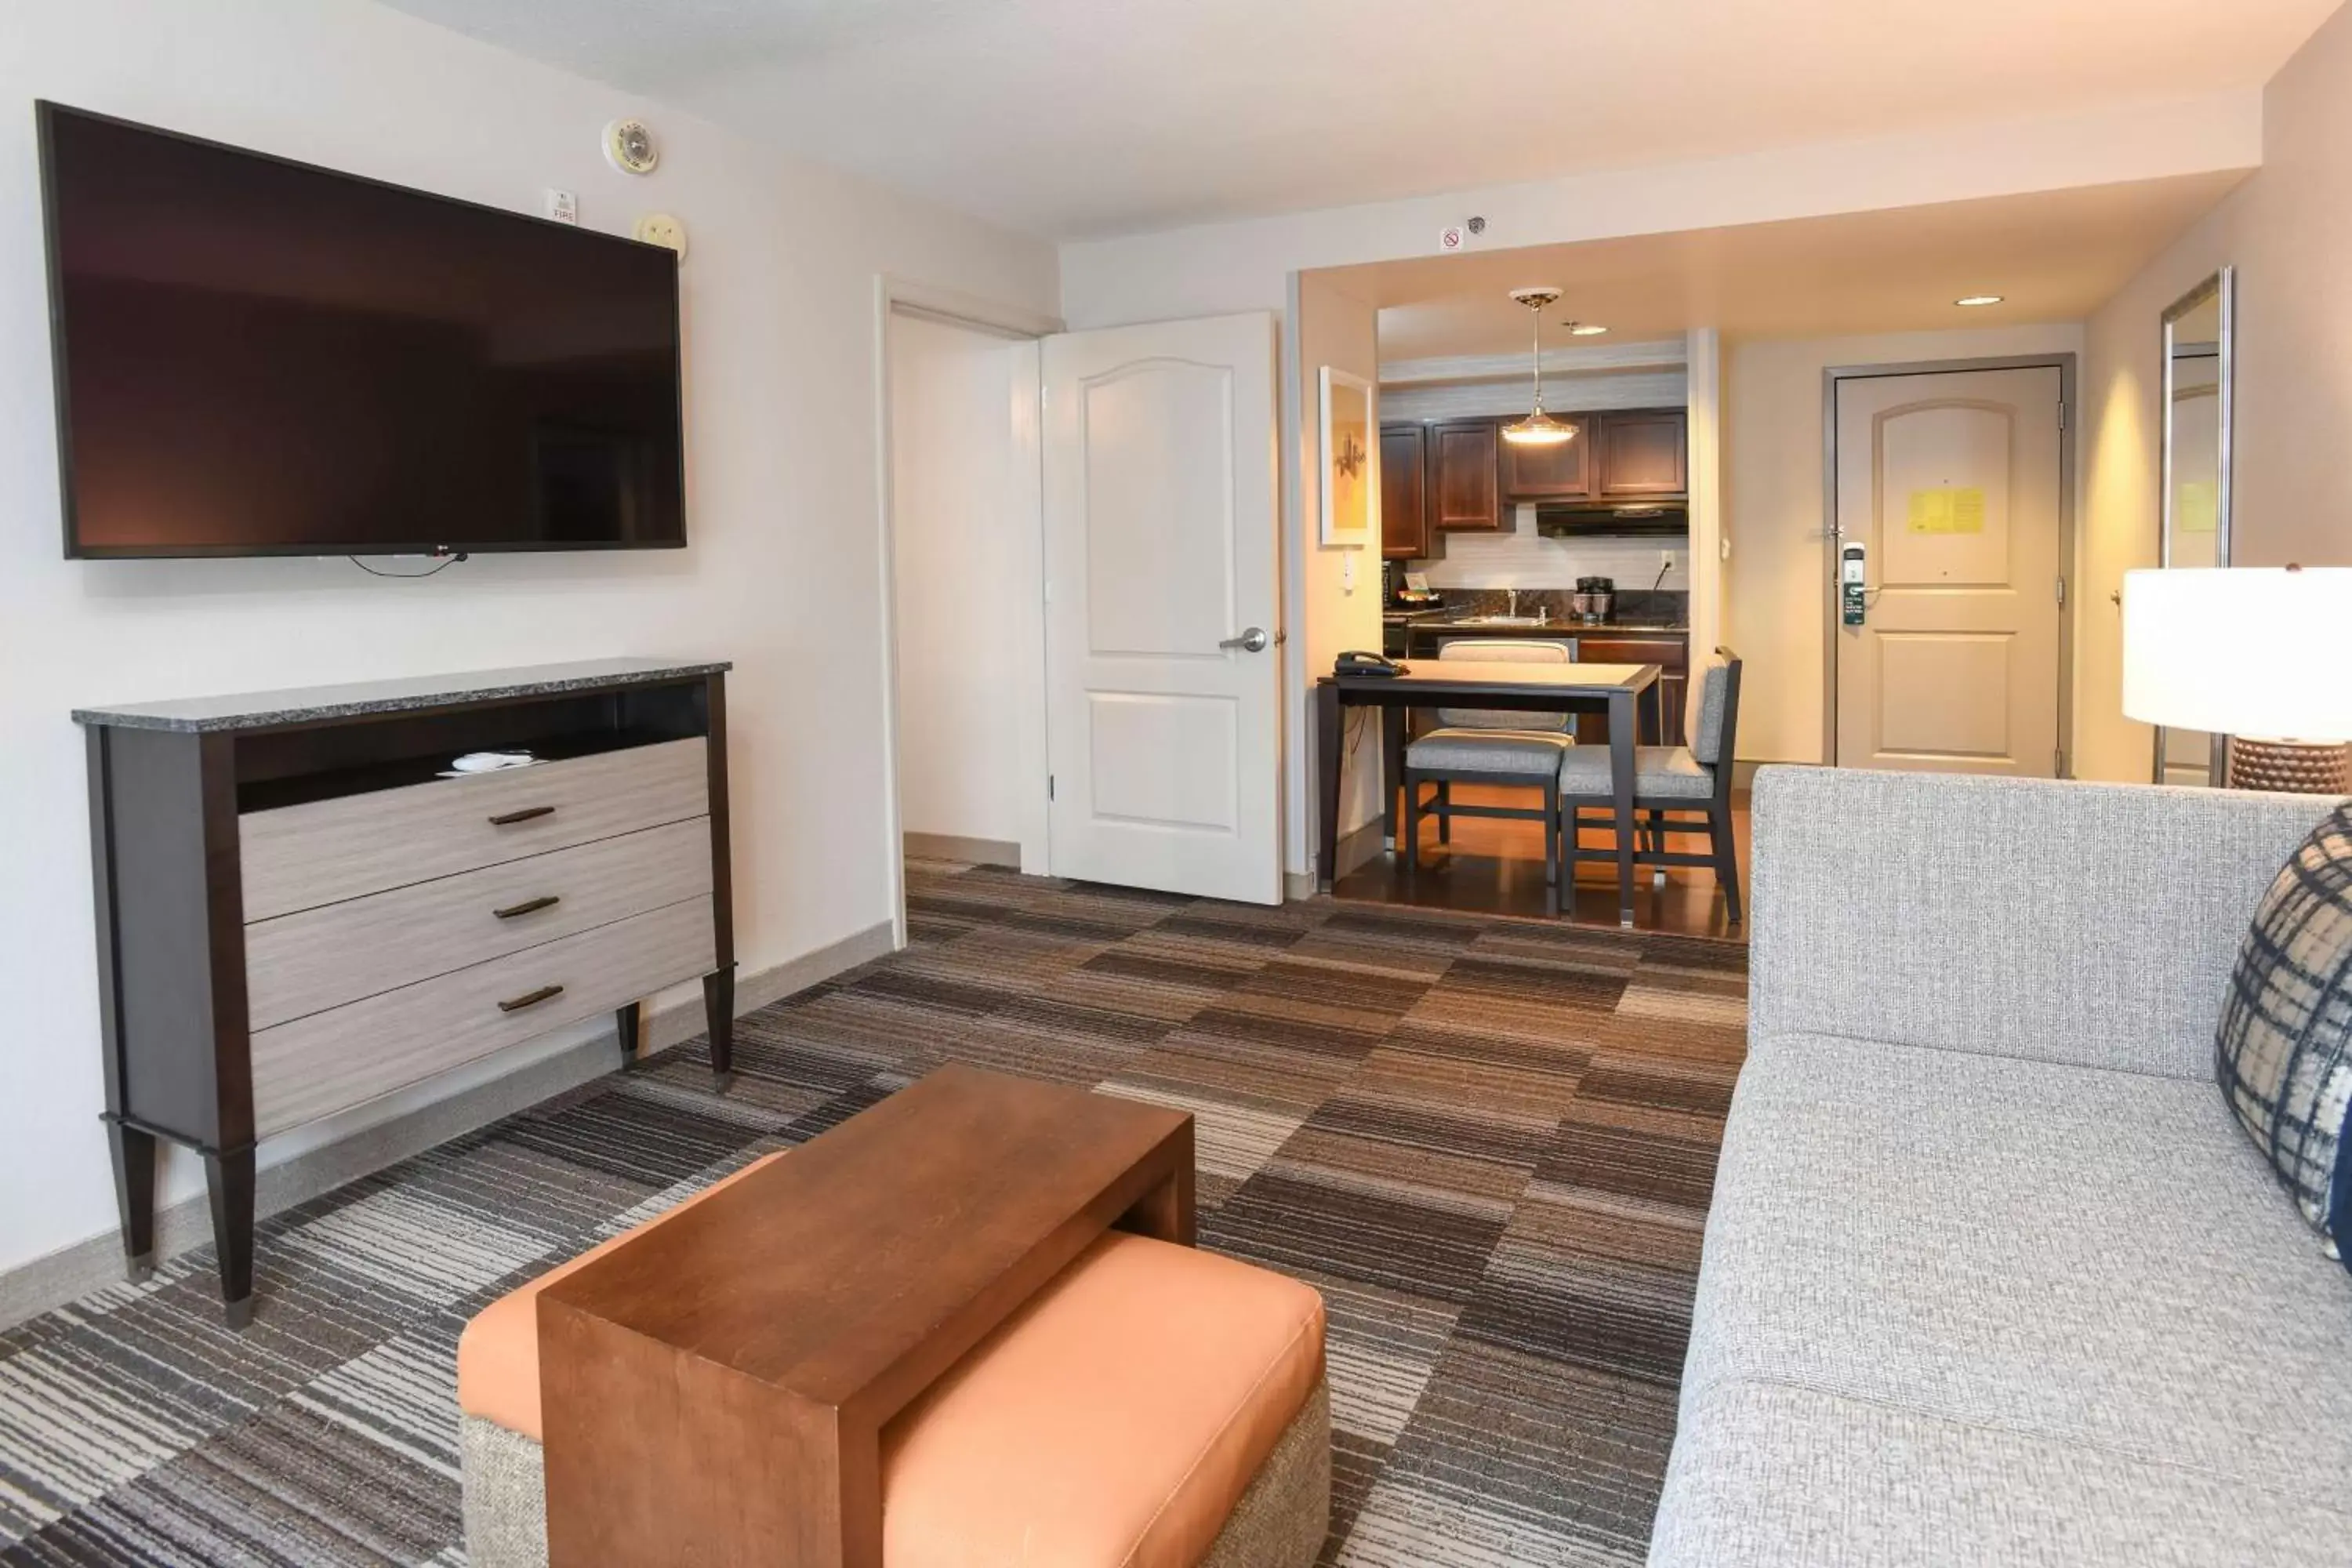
(1669, 559)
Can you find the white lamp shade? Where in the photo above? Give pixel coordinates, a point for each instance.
(2254, 651)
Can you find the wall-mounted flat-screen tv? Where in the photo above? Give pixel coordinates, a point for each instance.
(256, 357)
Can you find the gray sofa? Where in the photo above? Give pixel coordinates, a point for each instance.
(1991, 1275)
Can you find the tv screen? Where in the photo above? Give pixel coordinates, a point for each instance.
(256, 357)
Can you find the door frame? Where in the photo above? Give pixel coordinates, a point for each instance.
(2069, 428)
(893, 296)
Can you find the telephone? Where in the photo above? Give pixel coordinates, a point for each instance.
(1358, 662)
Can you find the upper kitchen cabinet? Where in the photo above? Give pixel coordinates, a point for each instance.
(1641, 454)
(1562, 471)
(1465, 480)
(1404, 492)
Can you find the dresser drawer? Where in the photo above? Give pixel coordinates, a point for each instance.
(300, 856)
(331, 1060)
(305, 962)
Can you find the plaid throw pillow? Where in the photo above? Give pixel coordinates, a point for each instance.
(2283, 1054)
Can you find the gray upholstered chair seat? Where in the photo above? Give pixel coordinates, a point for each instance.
(1658, 771)
(1521, 751)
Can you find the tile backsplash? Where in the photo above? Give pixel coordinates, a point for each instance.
(1519, 557)
(1667, 606)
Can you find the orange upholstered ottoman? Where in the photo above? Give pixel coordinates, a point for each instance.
(1153, 1406)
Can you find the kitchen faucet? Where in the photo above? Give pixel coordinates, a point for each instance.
(1512, 599)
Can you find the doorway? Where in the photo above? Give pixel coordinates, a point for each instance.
(1950, 503)
(1079, 568)
(962, 566)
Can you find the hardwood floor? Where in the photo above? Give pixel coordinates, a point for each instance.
(1495, 867)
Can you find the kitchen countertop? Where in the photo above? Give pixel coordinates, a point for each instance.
(1437, 622)
(308, 705)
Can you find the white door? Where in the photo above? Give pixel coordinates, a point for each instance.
(1953, 483)
(1162, 679)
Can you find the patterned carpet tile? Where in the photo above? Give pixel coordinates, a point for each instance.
(1302, 1222)
(1514, 1459)
(1479, 1073)
(1488, 1143)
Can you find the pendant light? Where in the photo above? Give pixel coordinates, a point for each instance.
(1539, 428)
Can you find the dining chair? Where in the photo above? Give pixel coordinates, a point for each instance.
(1492, 746)
(1671, 785)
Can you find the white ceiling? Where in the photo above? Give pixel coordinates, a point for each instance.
(2053, 256)
(1080, 118)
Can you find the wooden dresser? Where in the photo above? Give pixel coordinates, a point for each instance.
(297, 913)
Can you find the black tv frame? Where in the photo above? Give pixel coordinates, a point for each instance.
(45, 114)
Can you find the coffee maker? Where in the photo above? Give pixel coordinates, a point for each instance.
(1594, 601)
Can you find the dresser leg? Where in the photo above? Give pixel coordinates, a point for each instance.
(718, 1013)
(230, 1179)
(134, 1194)
(629, 1022)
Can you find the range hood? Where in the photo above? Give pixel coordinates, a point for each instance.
(1631, 520)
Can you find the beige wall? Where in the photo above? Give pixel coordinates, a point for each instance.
(1777, 579)
(2288, 230)
(1326, 610)
(2291, 234)
(2123, 388)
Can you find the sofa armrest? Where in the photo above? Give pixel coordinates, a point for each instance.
(2091, 924)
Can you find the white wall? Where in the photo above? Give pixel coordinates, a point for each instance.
(1519, 557)
(1775, 581)
(1242, 266)
(966, 563)
(1509, 395)
(1331, 593)
(783, 574)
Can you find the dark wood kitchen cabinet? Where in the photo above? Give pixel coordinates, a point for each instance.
(1662, 705)
(1404, 492)
(1559, 472)
(1464, 478)
(1641, 454)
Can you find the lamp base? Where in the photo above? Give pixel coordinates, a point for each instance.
(2293, 767)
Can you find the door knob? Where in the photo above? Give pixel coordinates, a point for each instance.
(1254, 640)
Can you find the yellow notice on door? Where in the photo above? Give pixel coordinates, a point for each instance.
(1948, 509)
(2197, 508)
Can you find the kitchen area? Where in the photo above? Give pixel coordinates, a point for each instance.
(1542, 500)
(1616, 489)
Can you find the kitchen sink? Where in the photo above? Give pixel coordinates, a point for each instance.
(1501, 621)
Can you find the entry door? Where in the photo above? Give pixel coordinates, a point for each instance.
(1163, 680)
(1953, 484)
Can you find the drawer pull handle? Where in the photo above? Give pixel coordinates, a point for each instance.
(529, 906)
(530, 998)
(508, 819)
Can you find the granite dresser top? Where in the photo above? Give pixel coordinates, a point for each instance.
(319, 704)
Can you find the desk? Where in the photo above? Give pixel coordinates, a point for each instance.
(714, 1391)
(1610, 689)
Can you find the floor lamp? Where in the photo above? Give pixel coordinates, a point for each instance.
(2256, 653)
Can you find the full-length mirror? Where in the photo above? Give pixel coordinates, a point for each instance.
(2195, 513)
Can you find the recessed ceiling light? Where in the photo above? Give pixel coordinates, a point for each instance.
(1585, 329)
(1977, 300)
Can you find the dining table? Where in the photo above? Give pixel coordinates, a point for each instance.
(1614, 689)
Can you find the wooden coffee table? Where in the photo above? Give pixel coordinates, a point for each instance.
(714, 1391)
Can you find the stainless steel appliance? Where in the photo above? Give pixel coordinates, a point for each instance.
(1595, 600)
(1589, 519)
